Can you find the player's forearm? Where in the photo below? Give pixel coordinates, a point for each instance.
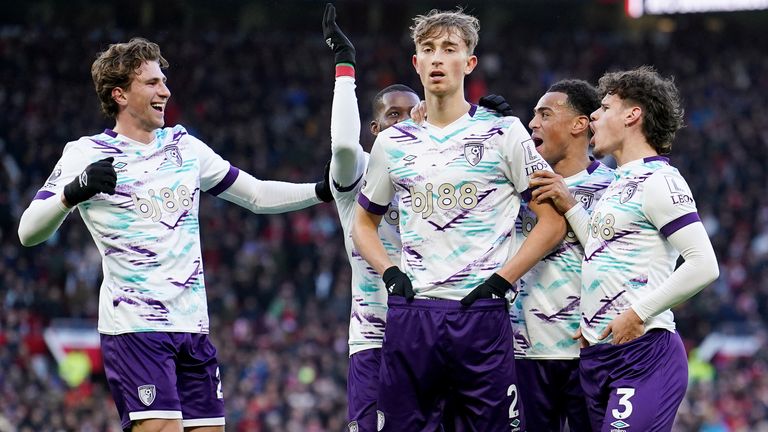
(270, 197)
(41, 219)
(365, 235)
(699, 270)
(578, 219)
(545, 236)
(347, 159)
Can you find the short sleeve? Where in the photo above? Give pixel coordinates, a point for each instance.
(70, 165)
(668, 202)
(216, 174)
(378, 189)
(522, 157)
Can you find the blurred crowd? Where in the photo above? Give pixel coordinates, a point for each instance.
(278, 286)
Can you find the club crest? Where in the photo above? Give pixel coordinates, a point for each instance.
(628, 192)
(473, 152)
(585, 198)
(173, 154)
(352, 426)
(147, 394)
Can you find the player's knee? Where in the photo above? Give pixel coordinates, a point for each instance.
(157, 425)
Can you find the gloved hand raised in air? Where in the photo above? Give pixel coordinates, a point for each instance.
(398, 283)
(493, 287)
(496, 103)
(335, 38)
(323, 187)
(98, 177)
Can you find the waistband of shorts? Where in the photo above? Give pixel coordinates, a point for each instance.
(602, 348)
(398, 302)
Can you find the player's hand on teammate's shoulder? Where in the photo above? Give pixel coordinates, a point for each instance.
(335, 38)
(98, 177)
(625, 328)
(496, 103)
(548, 185)
(398, 283)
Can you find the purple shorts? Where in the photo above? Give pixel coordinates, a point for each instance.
(362, 390)
(438, 350)
(156, 375)
(636, 386)
(551, 393)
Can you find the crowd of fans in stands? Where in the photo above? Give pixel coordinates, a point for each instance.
(278, 286)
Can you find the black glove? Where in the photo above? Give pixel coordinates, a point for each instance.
(341, 46)
(496, 103)
(493, 286)
(398, 283)
(323, 187)
(98, 177)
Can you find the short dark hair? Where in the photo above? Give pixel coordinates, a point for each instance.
(656, 95)
(582, 96)
(116, 67)
(378, 100)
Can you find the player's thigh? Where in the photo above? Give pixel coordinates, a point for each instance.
(362, 390)
(199, 383)
(141, 372)
(540, 394)
(486, 386)
(575, 404)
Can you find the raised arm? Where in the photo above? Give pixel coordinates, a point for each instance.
(347, 156)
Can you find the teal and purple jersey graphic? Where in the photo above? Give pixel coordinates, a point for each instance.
(148, 231)
(458, 190)
(627, 255)
(546, 313)
(369, 297)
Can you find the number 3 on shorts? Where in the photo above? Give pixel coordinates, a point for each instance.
(624, 393)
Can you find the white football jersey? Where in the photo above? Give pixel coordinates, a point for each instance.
(147, 232)
(627, 255)
(459, 191)
(546, 313)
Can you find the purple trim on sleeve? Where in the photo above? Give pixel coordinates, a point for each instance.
(472, 110)
(656, 158)
(111, 133)
(42, 195)
(679, 223)
(371, 206)
(593, 166)
(527, 195)
(226, 182)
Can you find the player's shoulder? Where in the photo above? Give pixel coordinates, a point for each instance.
(405, 130)
(482, 114)
(172, 134)
(97, 143)
(597, 169)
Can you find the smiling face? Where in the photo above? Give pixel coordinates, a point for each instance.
(142, 105)
(551, 126)
(608, 126)
(442, 60)
(395, 107)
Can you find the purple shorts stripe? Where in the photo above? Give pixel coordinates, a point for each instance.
(371, 207)
(648, 374)
(225, 182)
(679, 223)
(42, 195)
(362, 389)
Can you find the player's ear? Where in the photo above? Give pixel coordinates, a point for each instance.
(580, 124)
(471, 64)
(415, 63)
(118, 95)
(375, 127)
(632, 115)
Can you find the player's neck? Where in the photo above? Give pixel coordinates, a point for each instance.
(445, 109)
(572, 164)
(632, 150)
(134, 132)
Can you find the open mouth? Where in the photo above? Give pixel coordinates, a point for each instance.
(437, 74)
(537, 141)
(158, 107)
